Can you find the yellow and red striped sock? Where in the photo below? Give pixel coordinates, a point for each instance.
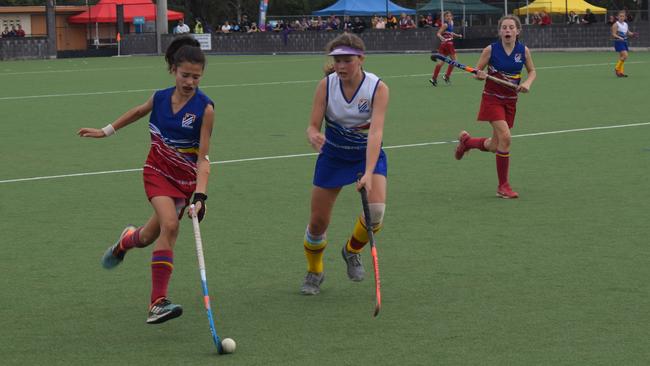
(359, 236)
(314, 246)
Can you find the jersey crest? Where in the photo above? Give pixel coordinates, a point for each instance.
(188, 120)
(518, 58)
(364, 105)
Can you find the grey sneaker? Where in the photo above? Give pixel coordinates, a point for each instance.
(112, 257)
(355, 267)
(163, 310)
(311, 286)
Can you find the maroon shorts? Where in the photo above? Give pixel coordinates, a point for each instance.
(156, 184)
(446, 49)
(497, 109)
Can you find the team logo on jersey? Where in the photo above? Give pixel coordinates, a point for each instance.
(518, 58)
(188, 120)
(364, 105)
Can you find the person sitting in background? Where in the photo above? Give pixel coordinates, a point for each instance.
(391, 22)
(245, 24)
(373, 21)
(536, 18)
(5, 32)
(546, 19)
(181, 28)
(19, 31)
(610, 20)
(590, 18)
(347, 24)
(198, 27)
(573, 18)
(359, 25)
(429, 21)
(381, 23)
(226, 28)
(253, 28)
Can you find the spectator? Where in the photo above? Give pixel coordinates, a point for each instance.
(628, 15)
(245, 24)
(590, 18)
(536, 19)
(573, 18)
(226, 27)
(391, 22)
(347, 24)
(198, 26)
(429, 21)
(12, 32)
(181, 28)
(422, 22)
(5, 33)
(545, 19)
(359, 25)
(19, 31)
(304, 24)
(406, 22)
(373, 21)
(253, 28)
(381, 23)
(611, 20)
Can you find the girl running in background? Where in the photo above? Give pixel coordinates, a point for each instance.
(353, 103)
(446, 35)
(180, 125)
(505, 60)
(620, 32)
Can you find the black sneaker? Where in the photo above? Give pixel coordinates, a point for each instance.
(446, 79)
(163, 310)
(433, 82)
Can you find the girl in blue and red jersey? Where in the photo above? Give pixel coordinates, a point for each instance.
(353, 104)
(505, 60)
(177, 166)
(446, 35)
(620, 32)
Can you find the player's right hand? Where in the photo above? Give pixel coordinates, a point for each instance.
(480, 75)
(91, 132)
(316, 139)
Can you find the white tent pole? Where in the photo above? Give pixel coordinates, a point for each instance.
(505, 7)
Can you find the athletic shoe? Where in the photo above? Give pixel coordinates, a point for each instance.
(461, 149)
(311, 286)
(113, 256)
(433, 82)
(446, 79)
(505, 191)
(355, 267)
(620, 74)
(162, 311)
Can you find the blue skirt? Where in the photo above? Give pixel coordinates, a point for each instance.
(332, 172)
(620, 46)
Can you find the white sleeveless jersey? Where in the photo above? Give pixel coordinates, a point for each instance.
(622, 29)
(348, 121)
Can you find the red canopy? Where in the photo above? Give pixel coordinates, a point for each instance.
(104, 12)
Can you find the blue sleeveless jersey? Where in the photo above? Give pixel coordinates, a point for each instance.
(506, 67)
(180, 131)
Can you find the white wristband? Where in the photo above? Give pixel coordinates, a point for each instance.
(108, 130)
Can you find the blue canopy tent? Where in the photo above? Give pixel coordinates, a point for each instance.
(363, 8)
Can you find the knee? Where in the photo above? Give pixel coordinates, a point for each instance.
(318, 225)
(169, 227)
(377, 211)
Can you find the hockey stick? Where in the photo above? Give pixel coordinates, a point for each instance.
(373, 249)
(204, 282)
(439, 57)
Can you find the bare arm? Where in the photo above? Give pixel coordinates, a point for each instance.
(203, 162)
(375, 134)
(532, 74)
(483, 62)
(124, 120)
(314, 134)
(441, 30)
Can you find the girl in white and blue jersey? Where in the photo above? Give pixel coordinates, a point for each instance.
(620, 32)
(353, 104)
(177, 167)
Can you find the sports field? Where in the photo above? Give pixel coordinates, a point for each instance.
(557, 277)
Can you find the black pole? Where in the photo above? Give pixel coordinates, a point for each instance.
(566, 10)
(386, 11)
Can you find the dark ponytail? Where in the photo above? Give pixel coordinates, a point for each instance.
(184, 49)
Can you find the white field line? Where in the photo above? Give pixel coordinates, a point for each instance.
(144, 67)
(267, 83)
(276, 157)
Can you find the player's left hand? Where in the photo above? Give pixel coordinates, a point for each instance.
(366, 182)
(523, 88)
